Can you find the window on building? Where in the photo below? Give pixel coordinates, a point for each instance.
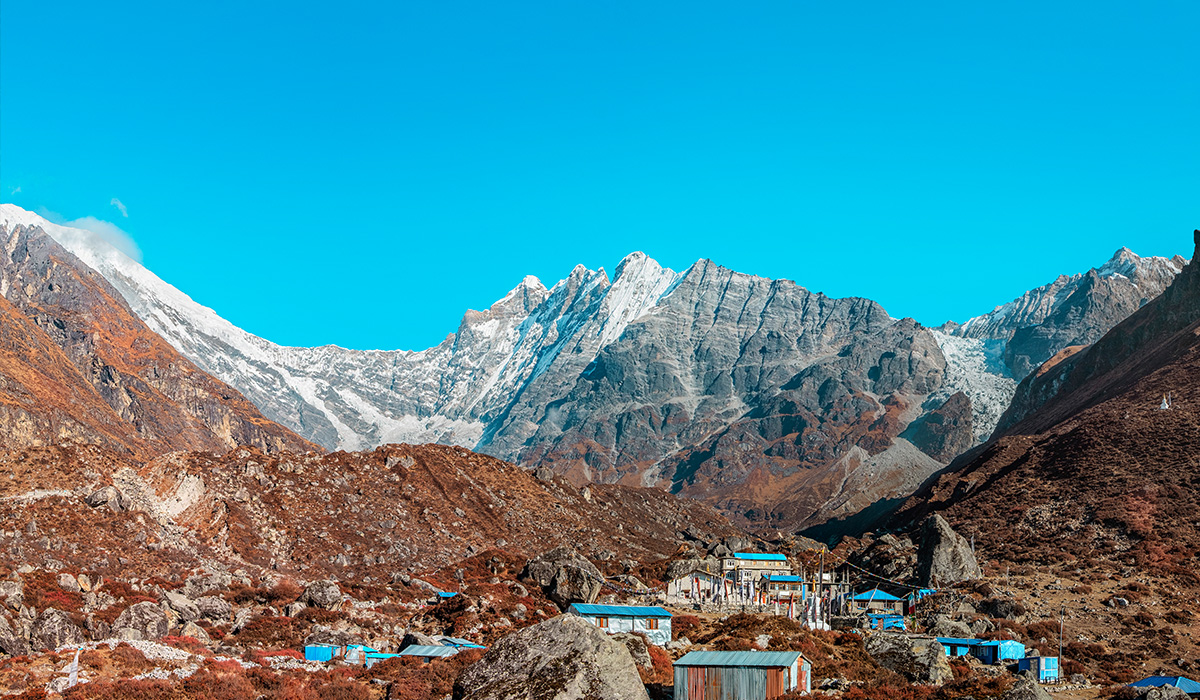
(652, 624)
(602, 622)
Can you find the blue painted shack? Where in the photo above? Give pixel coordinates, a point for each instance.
(321, 652)
(357, 653)
(1187, 685)
(741, 675)
(1045, 668)
(998, 651)
(876, 601)
(886, 622)
(654, 622)
(958, 646)
(374, 657)
(428, 653)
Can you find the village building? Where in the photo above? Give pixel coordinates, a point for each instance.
(876, 601)
(654, 622)
(958, 646)
(1187, 685)
(420, 651)
(998, 651)
(699, 586)
(782, 588)
(321, 652)
(741, 675)
(749, 567)
(1045, 668)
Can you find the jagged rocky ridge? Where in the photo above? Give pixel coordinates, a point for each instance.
(781, 405)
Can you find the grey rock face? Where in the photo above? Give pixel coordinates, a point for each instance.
(214, 609)
(323, 594)
(108, 496)
(182, 605)
(1162, 692)
(1026, 689)
(917, 659)
(565, 575)
(692, 381)
(53, 629)
(565, 658)
(637, 648)
(945, 627)
(144, 620)
(11, 642)
(944, 556)
(12, 593)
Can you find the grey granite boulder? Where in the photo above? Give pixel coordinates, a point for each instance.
(565, 658)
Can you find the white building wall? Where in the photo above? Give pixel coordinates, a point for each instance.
(658, 637)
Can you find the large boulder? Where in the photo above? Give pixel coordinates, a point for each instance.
(323, 594)
(53, 629)
(109, 496)
(1158, 692)
(918, 660)
(11, 642)
(565, 576)
(636, 644)
(12, 593)
(1026, 688)
(185, 607)
(945, 627)
(214, 609)
(682, 567)
(944, 556)
(565, 658)
(144, 620)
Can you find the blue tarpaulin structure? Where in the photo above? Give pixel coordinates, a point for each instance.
(1187, 685)
(1044, 667)
(998, 650)
(321, 652)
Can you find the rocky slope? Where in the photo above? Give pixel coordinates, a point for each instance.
(1098, 473)
(78, 365)
(783, 406)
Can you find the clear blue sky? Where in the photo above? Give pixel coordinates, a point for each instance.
(362, 174)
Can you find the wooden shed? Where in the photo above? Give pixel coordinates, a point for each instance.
(741, 675)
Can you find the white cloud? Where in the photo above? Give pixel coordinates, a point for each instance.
(107, 231)
(15, 190)
(117, 203)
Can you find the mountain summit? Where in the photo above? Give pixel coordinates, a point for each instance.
(784, 406)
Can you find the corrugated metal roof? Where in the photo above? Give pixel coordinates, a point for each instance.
(456, 642)
(739, 658)
(620, 610)
(875, 594)
(759, 556)
(958, 641)
(1187, 685)
(783, 578)
(419, 650)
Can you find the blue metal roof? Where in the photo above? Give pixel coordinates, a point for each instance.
(620, 610)
(739, 658)
(456, 642)
(783, 578)
(759, 556)
(419, 650)
(1187, 685)
(958, 641)
(874, 594)
(446, 594)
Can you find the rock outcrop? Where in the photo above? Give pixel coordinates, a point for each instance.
(565, 658)
(54, 629)
(1026, 688)
(323, 594)
(944, 557)
(144, 620)
(919, 660)
(565, 576)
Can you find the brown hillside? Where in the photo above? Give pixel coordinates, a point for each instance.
(77, 363)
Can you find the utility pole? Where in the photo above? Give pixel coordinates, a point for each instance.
(1062, 613)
